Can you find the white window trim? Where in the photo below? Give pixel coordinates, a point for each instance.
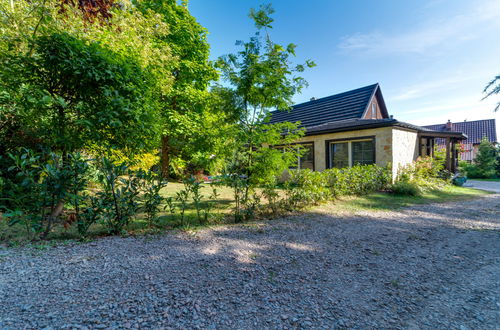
(349, 149)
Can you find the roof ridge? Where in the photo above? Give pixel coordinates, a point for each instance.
(331, 96)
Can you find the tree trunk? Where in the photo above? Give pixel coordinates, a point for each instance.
(165, 157)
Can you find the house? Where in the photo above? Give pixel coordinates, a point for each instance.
(475, 130)
(355, 127)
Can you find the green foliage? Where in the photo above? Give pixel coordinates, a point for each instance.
(406, 188)
(42, 182)
(425, 174)
(261, 78)
(119, 195)
(306, 187)
(190, 120)
(151, 199)
(493, 88)
(75, 94)
(485, 164)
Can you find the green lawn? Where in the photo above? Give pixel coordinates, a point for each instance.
(221, 210)
(383, 201)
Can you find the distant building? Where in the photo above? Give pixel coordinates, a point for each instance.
(474, 130)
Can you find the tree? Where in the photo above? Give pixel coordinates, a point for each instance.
(486, 159)
(485, 164)
(129, 39)
(262, 78)
(74, 94)
(493, 87)
(184, 106)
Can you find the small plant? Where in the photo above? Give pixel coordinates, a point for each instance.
(151, 198)
(194, 188)
(211, 203)
(119, 195)
(406, 188)
(182, 197)
(169, 204)
(89, 214)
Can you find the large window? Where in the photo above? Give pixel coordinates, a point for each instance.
(340, 154)
(363, 153)
(349, 153)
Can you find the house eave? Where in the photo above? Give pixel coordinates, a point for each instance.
(392, 123)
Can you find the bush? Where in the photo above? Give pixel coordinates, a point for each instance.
(305, 187)
(406, 188)
(41, 184)
(485, 164)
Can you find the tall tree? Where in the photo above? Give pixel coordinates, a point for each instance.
(493, 87)
(262, 78)
(185, 103)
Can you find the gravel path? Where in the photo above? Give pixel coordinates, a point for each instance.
(429, 266)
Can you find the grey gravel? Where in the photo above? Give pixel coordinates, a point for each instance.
(430, 266)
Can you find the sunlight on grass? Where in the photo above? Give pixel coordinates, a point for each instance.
(383, 201)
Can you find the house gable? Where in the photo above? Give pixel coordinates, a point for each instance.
(376, 108)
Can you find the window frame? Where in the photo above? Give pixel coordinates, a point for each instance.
(328, 143)
(298, 158)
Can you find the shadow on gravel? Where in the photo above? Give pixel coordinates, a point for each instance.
(311, 270)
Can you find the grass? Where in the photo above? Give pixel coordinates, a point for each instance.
(16, 235)
(383, 201)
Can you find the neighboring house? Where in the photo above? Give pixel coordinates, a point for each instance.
(354, 127)
(475, 131)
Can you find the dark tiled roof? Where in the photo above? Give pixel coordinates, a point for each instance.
(358, 124)
(347, 105)
(475, 130)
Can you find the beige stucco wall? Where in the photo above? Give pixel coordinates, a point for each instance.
(383, 144)
(405, 148)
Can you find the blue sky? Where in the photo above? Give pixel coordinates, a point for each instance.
(432, 58)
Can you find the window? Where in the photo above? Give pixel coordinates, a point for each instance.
(374, 111)
(363, 153)
(306, 158)
(339, 155)
(349, 153)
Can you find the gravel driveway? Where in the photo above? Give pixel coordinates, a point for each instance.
(430, 266)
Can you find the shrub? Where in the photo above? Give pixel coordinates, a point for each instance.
(151, 198)
(42, 182)
(119, 195)
(485, 164)
(406, 188)
(305, 187)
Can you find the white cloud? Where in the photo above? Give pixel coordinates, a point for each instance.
(429, 87)
(432, 35)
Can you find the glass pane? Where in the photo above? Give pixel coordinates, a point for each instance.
(306, 160)
(363, 152)
(339, 155)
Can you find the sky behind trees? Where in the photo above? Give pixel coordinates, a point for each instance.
(432, 58)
